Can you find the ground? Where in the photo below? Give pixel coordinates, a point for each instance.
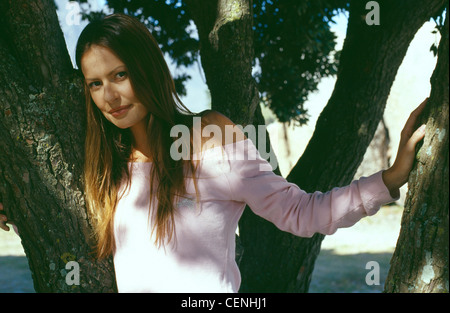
(340, 267)
(15, 275)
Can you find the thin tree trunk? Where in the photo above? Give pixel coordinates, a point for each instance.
(420, 260)
(226, 49)
(41, 130)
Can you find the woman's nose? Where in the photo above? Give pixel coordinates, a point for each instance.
(110, 93)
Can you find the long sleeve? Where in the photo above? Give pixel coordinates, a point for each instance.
(293, 210)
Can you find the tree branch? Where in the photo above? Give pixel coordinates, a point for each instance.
(226, 49)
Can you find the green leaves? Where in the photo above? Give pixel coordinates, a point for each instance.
(294, 48)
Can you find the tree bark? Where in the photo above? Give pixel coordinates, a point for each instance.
(420, 260)
(274, 261)
(41, 130)
(226, 49)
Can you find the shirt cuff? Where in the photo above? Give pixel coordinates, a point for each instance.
(375, 193)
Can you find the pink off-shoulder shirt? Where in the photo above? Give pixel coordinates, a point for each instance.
(201, 257)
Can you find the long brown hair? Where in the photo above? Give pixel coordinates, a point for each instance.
(108, 148)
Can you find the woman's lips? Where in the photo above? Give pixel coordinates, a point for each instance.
(120, 110)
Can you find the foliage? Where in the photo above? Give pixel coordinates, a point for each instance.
(294, 48)
(439, 20)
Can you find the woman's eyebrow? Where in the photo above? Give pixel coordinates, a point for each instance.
(108, 73)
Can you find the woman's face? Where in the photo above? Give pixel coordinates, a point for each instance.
(108, 81)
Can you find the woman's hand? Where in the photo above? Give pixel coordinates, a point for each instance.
(3, 219)
(397, 175)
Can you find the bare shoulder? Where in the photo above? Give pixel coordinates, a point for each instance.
(218, 129)
(212, 117)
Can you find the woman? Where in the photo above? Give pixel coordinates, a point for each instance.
(170, 223)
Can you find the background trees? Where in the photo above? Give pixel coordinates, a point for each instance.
(42, 120)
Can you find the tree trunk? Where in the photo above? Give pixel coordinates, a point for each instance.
(274, 261)
(420, 260)
(41, 130)
(226, 49)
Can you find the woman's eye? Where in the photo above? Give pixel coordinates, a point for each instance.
(121, 74)
(94, 84)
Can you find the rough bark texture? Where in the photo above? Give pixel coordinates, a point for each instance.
(420, 260)
(41, 130)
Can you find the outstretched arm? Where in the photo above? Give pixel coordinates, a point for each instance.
(397, 175)
(252, 181)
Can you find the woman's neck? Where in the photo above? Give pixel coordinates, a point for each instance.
(140, 151)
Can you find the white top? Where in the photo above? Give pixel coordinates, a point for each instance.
(202, 256)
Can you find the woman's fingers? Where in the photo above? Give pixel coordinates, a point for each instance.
(415, 138)
(411, 135)
(398, 174)
(411, 123)
(3, 219)
(4, 226)
(410, 128)
(407, 153)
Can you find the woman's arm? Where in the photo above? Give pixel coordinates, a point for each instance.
(290, 208)
(293, 210)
